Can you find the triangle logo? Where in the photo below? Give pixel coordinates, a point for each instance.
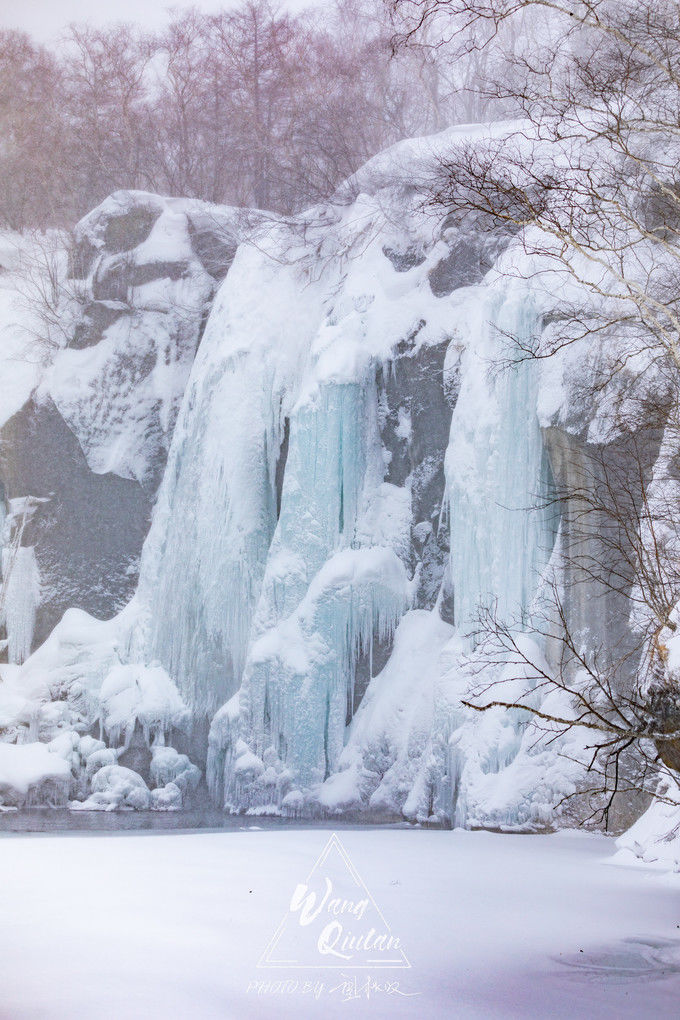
(333, 922)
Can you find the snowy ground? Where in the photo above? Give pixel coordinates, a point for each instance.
(175, 925)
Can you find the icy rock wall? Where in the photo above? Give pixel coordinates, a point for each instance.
(305, 509)
(413, 749)
(325, 529)
(290, 401)
(205, 556)
(89, 432)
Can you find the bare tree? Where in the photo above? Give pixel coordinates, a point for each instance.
(586, 185)
(105, 75)
(250, 106)
(32, 191)
(617, 553)
(51, 298)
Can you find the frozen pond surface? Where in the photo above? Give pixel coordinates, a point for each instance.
(50, 821)
(156, 925)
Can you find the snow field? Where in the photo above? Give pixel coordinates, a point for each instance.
(494, 926)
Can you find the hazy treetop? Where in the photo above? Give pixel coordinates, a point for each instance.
(45, 20)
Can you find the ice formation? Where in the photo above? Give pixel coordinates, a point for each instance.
(413, 747)
(348, 480)
(19, 579)
(21, 591)
(497, 469)
(280, 739)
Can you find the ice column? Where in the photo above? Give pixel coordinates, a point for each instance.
(502, 534)
(203, 561)
(21, 597)
(497, 471)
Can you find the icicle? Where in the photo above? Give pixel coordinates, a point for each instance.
(21, 598)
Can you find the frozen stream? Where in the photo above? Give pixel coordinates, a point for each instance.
(155, 925)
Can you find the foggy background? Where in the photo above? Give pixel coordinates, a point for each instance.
(248, 104)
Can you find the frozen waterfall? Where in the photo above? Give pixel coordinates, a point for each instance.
(21, 594)
(204, 559)
(498, 477)
(322, 603)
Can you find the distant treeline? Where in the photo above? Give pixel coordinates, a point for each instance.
(252, 107)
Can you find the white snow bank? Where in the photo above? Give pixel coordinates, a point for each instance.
(57, 688)
(655, 838)
(146, 695)
(30, 775)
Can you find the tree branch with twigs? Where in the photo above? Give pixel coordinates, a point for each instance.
(584, 186)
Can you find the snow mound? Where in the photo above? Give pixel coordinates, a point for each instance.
(169, 768)
(32, 776)
(654, 840)
(116, 788)
(146, 695)
(72, 684)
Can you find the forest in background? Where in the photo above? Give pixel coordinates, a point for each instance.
(253, 106)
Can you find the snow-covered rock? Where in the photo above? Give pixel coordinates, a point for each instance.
(146, 268)
(92, 383)
(134, 694)
(32, 776)
(170, 768)
(654, 839)
(114, 788)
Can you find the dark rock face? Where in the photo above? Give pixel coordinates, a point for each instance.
(417, 410)
(96, 318)
(89, 531)
(124, 232)
(472, 250)
(81, 258)
(115, 279)
(404, 260)
(137, 755)
(213, 249)
(601, 489)
(415, 413)
(460, 268)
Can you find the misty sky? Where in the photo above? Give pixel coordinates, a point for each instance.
(45, 19)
